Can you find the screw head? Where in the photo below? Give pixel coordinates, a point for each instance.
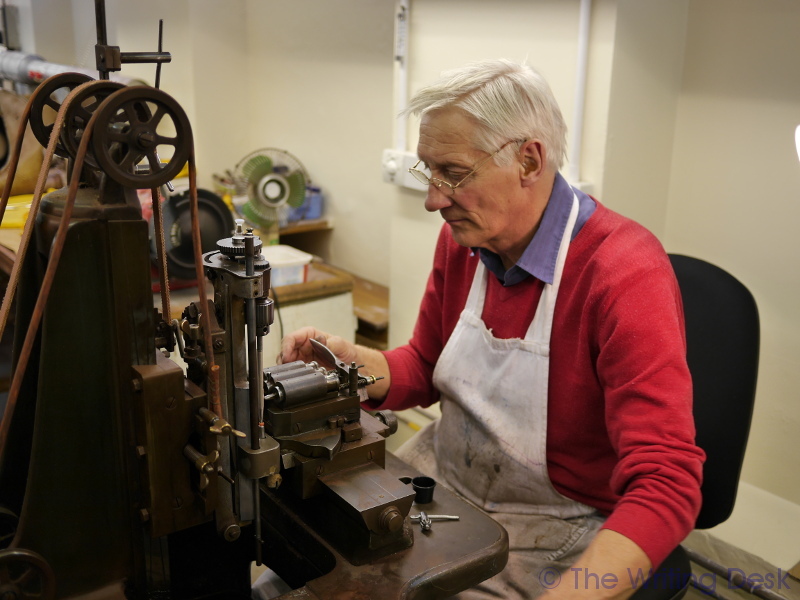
(232, 533)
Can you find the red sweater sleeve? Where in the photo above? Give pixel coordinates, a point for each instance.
(648, 412)
(620, 425)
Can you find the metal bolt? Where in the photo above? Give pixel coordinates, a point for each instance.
(177, 503)
(320, 470)
(172, 402)
(141, 451)
(232, 532)
(218, 344)
(147, 139)
(297, 426)
(137, 385)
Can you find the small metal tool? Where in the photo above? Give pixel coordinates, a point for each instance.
(424, 521)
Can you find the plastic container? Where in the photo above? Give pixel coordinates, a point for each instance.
(311, 207)
(289, 265)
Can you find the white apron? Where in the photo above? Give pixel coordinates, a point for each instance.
(490, 443)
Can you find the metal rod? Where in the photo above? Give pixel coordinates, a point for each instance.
(102, 34)
(733, 576)
(145, 57)
(254, 370)
(100, 19)
(160, 48)
(712, 593)
(257, 519)
(5, 26)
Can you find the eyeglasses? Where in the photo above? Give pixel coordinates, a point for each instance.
(450, 188)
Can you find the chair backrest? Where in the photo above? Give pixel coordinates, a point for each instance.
(722, 333)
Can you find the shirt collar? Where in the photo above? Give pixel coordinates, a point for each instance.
(539, 258)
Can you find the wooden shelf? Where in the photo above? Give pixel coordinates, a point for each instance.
(306, 226)
(323, 280)
(371, 305)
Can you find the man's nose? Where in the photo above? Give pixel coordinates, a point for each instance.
(436, 199)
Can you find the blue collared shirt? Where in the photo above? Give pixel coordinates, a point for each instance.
(539, 258)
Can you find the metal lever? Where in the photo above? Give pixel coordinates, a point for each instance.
(218, 425)
(203, 463)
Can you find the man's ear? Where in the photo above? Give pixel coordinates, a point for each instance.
(533, 161)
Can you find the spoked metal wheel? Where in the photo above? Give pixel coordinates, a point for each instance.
(24, 575)
(81, 108)
(141, 137)
(49, 95)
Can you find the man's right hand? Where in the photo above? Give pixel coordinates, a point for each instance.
(297, 346)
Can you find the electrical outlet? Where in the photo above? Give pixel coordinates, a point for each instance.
(395, 166)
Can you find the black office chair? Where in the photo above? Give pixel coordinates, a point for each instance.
(722, 334)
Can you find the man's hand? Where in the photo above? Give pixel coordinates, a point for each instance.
(607, 569)
(297, 346)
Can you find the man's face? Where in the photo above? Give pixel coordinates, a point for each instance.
(488, 210)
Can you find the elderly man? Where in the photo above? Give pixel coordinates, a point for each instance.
(551, 334)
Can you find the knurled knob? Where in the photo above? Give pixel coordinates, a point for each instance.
(391, 520)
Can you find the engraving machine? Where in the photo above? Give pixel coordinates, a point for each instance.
(121, 475)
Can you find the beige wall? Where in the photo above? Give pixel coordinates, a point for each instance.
(645, 85)
(322, 89)
(734, 197)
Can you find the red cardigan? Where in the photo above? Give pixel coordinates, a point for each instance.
(620, 433)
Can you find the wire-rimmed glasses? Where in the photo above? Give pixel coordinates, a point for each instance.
(445, 186)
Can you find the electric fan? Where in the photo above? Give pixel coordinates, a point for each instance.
(269, 183)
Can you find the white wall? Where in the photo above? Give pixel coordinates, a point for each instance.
(734, 197)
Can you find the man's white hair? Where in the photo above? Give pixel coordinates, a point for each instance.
(508, 100)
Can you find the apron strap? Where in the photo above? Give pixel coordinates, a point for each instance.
(540, 328)
(477, 291)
